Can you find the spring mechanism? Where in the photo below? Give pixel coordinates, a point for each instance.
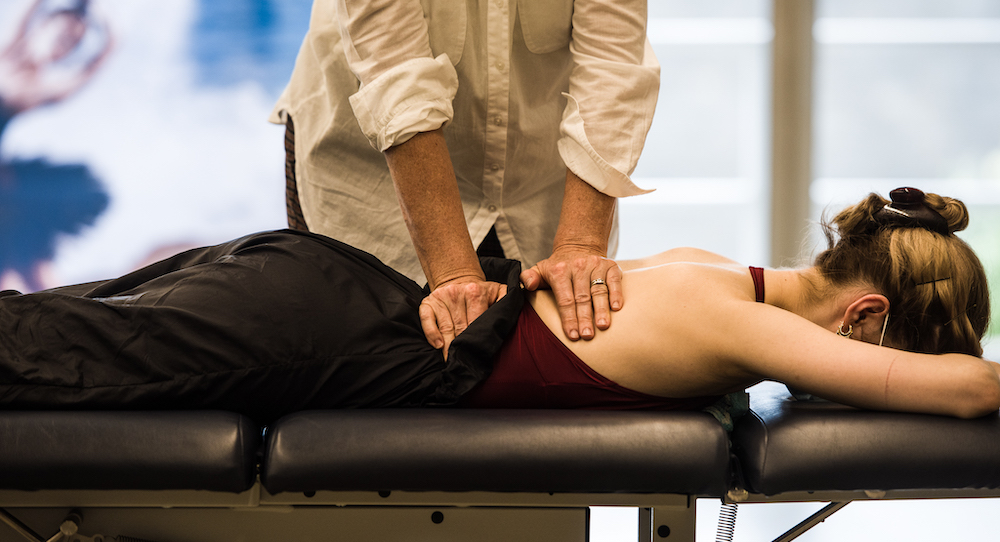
(727, 523)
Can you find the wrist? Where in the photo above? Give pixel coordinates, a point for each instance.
(456, 276)
(585, 220)
(580, 244)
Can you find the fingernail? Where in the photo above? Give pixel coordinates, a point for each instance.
(587, 332)
(602, 322)
(574, 335)
(616, 305)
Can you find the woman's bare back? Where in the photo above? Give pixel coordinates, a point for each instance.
(662, 340)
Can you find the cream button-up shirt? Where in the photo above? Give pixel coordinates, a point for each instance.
(525, 88)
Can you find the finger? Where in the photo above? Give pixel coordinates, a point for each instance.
(559, 279)
(599, 294)
(583, 270)
(444, 317)
(616, 294)
(447, 327)
(477, 300)
(459, 317)
(531, 278)
(447, 345)
(428, 322)
(501, 291)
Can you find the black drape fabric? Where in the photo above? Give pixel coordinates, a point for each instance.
(264, 325)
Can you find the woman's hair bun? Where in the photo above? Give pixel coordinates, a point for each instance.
(909, 208)
(953, 211)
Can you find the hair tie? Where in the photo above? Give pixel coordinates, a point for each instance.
(909, 210)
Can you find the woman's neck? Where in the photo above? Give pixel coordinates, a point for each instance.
(796, 291)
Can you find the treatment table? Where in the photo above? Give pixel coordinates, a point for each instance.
(445, 474)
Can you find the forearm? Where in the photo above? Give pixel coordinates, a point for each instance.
(432, 208)
(977, 393)
(585, 219)
(951, 384)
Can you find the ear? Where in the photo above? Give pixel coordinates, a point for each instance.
(866, 314)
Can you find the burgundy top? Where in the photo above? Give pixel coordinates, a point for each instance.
(758, 282)
(534, 369)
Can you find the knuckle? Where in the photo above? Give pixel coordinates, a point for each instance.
(597, 290)
(565, 301)
(471, 288)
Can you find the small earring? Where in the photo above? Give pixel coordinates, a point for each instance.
(842, 333)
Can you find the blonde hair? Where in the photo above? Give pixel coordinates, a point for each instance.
(936, 286)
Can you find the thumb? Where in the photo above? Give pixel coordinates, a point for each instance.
(531, 278)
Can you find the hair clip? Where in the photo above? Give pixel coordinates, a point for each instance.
(909, 210)
(931, 281)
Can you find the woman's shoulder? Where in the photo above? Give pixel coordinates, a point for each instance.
(677, 255)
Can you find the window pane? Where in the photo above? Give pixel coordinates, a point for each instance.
(706, 153)
(716, 8)
(907, 8)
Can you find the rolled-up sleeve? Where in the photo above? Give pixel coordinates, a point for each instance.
(612, 94)
(404, 89)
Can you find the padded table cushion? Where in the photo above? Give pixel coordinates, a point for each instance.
(497, 450)
(788, 445)
(127, 450)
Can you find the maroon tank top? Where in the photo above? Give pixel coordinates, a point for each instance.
(758, 282)
(534, 369)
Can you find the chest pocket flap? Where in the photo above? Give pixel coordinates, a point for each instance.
(446, 24)
(546, 25)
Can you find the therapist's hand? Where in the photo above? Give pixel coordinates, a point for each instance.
(570, 273)
(452, 306)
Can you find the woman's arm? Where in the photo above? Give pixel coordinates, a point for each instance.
(774, 344)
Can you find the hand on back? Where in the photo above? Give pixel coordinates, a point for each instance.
(587, 288)
(452, 306)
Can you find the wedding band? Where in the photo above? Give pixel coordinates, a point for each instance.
(595, 282)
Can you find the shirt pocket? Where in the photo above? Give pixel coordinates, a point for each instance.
(446, 24)
(546, 25)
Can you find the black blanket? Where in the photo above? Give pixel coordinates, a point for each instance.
(264, 325)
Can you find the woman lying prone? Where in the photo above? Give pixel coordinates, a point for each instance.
(889, 317)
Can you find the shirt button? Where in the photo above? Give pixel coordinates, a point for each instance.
(498, 121)
(500, 65)
(492, 208)
(494, 167)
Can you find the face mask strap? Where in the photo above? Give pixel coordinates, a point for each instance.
(885, 324)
